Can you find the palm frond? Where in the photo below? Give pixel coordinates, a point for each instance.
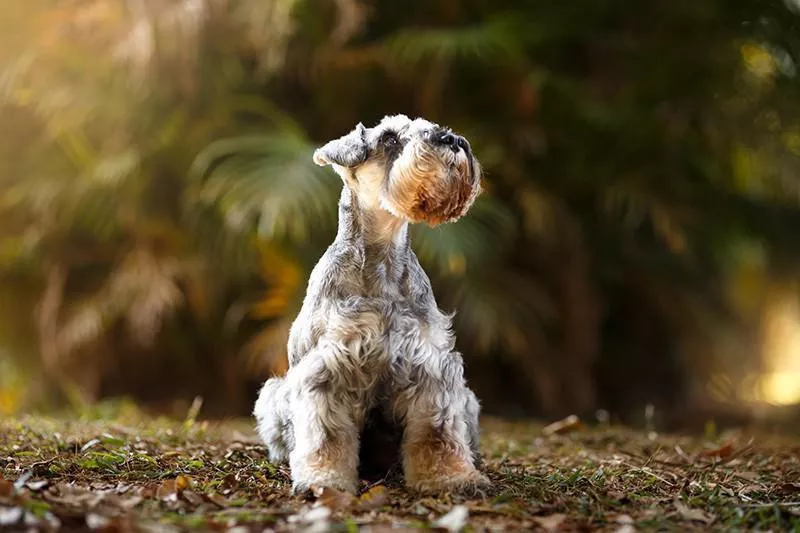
(267, 26)
(270, 180)
(477, 238)
(499, 309)
(265, 353)
(143, 290)
(499, 38)
(635, 207)
(91, 200)
(231, 254)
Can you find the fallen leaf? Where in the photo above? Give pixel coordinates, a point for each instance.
(552, 522)
(623, 519)
(790, 488)
(192, 497)
(215, 499)
(131, 502)
(625, 524)
(230, 483)
(36, 486)
(316, 519)
(20, 482)
(91, 444)
(749, 476)
(10, 516)
(726, 450)
(331, 498)
(6, 488)
(181, 483)
(570, 423)
(373, 498)
(96, 521)
(695, 515)
(170, 488)
(455, 520)
(166, 489)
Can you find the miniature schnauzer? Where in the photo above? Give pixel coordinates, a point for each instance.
(373, 376)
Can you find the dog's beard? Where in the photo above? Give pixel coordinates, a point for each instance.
(430, 184)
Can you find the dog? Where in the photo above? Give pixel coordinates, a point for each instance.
(373, 377)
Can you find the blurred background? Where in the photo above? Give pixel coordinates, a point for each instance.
(637, 249)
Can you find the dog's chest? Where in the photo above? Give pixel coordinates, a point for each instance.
(379, 325)
(375, 336)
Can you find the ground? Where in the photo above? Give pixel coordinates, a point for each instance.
(128, 472)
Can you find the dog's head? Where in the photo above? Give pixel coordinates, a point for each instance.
(414, 169)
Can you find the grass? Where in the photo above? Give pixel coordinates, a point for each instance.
(129, 472)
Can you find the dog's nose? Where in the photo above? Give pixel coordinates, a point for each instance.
(446, 138)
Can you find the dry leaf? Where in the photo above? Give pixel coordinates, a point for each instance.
(36, 486)
(317, 518)
(625, 528)
(215, 499)
(552, 522)
(192, 497)
(695, 515)
(726, 450)
(131, 502)
(96, 521)
(21, 480)
(790, 488)
(331, 498)
(6, 488)
(455, 520)
(373, 498)
(89, 445)
(166, 489)
(749, 476)
(10, 516)
(229, 483)
(570, 423)
(181, 483)
(623, 519)
(170, 488)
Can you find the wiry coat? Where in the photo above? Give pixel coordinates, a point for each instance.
(373, 370)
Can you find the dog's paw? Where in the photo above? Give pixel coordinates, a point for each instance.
(472, 485)
(309, 489)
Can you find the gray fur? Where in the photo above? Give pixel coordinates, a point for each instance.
(347, 151)
(369, 339)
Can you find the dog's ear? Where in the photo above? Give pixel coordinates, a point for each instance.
(347, 151)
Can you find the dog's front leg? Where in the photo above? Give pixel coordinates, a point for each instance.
(440, 434)
(326, 440)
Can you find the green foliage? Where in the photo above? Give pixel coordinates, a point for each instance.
(270, 180)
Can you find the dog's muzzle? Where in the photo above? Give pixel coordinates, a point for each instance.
(445, 138)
